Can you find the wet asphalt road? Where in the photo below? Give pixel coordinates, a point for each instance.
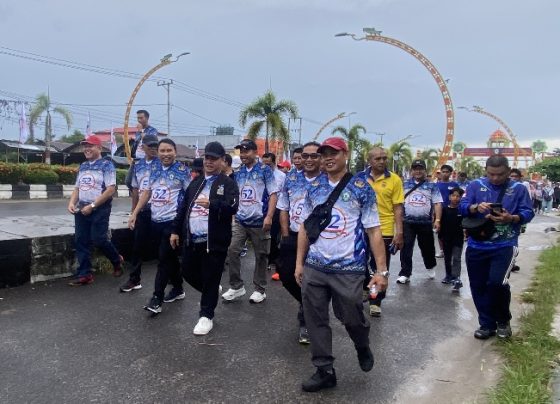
(92, 344)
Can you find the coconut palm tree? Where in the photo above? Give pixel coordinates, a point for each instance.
(400, 156)
(43, 106)
(266, 111)
(352, 136)
(430, 156)
(471, 167)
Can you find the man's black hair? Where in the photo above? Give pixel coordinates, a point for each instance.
(446, 166)
(312, 143)
(298, 150)
(143, 111)
(459, 190)
(516, 171)
(168, 141)
(497, 160)
(270, 156)
(229, 159)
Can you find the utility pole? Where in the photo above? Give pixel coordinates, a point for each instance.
(380, 137)
(299, 141)
(166, 84)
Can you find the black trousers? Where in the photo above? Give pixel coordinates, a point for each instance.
(143, 243)
(287, 268)
(425, 235)
(274, 238)
(373, 266)
(203, 271)
(168, 260)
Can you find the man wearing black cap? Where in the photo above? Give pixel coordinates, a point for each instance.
(143, 242)
(422, 200)
(203, 222)
(257, 203)
(90, 204)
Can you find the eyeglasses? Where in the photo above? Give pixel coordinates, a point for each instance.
(312, 156)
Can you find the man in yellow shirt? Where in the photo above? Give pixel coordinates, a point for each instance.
(389, 192)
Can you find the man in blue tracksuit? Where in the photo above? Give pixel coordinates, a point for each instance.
(489, 262)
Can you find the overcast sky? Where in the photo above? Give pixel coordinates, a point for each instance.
(502, 55)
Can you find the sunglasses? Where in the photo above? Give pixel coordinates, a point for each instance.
(312, 156)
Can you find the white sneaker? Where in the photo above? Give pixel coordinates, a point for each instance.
(403, 279)
(257, 297)
(439, 254)
(432, 273)
(203, 326)
(232, 294)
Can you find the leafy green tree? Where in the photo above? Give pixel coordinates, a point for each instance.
(269, 113)
(539, 147)
(459, 147)
(549, 167)
(400, 157)
(43, 106)
(77, 136)
(352, 136)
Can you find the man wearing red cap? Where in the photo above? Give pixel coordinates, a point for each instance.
(331, 260)
(90, 204)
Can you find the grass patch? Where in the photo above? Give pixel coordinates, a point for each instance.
(532, 353)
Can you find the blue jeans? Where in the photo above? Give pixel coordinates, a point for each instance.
(93, 229)
(488, 271)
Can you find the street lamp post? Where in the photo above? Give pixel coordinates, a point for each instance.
(166, 60)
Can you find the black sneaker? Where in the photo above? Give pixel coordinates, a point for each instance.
(303, 336)
(154, 306)
(174, 294)
(504, 331)
(130, 286)
(457, 285)
(484, 333)
(447, 280)
(365, 357)
(515, 268)
(320, 380)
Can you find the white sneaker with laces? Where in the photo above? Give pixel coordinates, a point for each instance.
(232, 294)
(403, 279)
(203, 326)
(432, 273)
(257, 297)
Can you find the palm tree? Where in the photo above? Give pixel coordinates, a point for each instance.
(266, 111)
(352, 135)
(470, 166)
(400, 156)
(430, 156)
(43, 105)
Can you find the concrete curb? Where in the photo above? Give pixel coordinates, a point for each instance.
(42, 191)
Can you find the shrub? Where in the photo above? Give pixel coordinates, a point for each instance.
(40, 176)
(11, 173)
(67, 174)
(121, 176)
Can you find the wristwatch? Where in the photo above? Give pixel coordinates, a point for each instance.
(384, 273)
(92, 205)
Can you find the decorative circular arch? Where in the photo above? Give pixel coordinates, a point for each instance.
(374, 35)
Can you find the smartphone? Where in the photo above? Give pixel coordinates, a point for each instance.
(496, 208)
(393, 249)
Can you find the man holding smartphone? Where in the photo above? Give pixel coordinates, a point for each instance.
(388, 189)
(508, 205)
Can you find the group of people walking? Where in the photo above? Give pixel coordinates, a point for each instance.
(335, 232)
